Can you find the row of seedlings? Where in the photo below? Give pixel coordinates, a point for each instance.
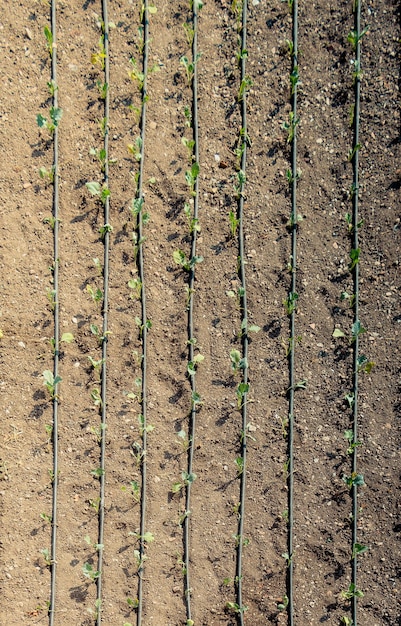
(290, 304)
(139, 77)
(360, 362)
(188, 264)
(239, 358)
(100, 190)
(51, 378)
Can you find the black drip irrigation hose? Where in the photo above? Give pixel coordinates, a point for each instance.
(292, 384)
(106, 239)
(53, 568)
(355, 245)
(244, 321)
(190, 324)
(140, 260)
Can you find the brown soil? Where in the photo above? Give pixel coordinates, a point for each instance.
(322, 504)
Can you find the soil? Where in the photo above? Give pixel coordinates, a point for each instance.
(322, 504)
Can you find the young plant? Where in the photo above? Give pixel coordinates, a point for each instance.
(351, 592)
(193, 223)
(245, 86)
(354, 39)
(136, 149)
(191, 177)
(98, 58)
(290, 303)
(49, 39)
(290, 126)
(89, 572)
(234, 223)
(237, 362)
(51, 382)
(95, 294)
(349, 436)
(181, 259)
(355, 480)
(190, 67)
(95, 189)
(52, 123)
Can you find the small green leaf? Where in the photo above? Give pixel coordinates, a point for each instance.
(338, 333)
(67, 337)
(93, 188)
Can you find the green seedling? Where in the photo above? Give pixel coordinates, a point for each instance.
(46, 555)
(106, 228)
(51, 383)
(346, 296)
(347, 621)
(133, 604)
(95, 294)
(236, 608)
(181, 259)
(135, 490)
(239, 461)
(187, 479)
(142, 428)
(137, 452)
(97, 365)
(287, 558)
(282, 606)
(290, 126)
(241, 55)
(245, 542)
(97, 431)
(357, 73)
(350, 399)
(193, 222)
(294, 79)
(140, 559)
(136, 285)
(100, 155)
(141, 326)
(189, 144)
(46, 518)
(51, 221)
(95, 189)
(238, 362)
(103, 89)
(353, 151)
(98, 266)
(350, 226)
(47, 174)
(195, 399)
(234, 223)
(183, 440)
(95, 504)
(98, 472)
(95, 331)
(290, 46)
(95, 546)
(349, 436)
(89, 572)
(290, 303)
(193, 365)
(152, 10)
(351, 592)
(191, 177)
(355, 480)
(364, 365)
(52, 124)
(354, 38)
(356, 330)
(49, 432)
(245, 86)
(137, 209)
(190, 67)
(188, 117)
(96, 398)
(358, 549)
(52, 87)
(242, 390)
(98, 58)
(147, 537)
(239, 184)
(103, 125)
(189, 32)
(49, 40)
(136, 148)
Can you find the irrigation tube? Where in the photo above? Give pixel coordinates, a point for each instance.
(53, 569)
(106, 236)
(355, 224)
(139, 195)
(192, 417)
(244, 308)
(293, 221)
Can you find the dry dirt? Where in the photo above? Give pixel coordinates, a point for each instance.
(322, 504)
